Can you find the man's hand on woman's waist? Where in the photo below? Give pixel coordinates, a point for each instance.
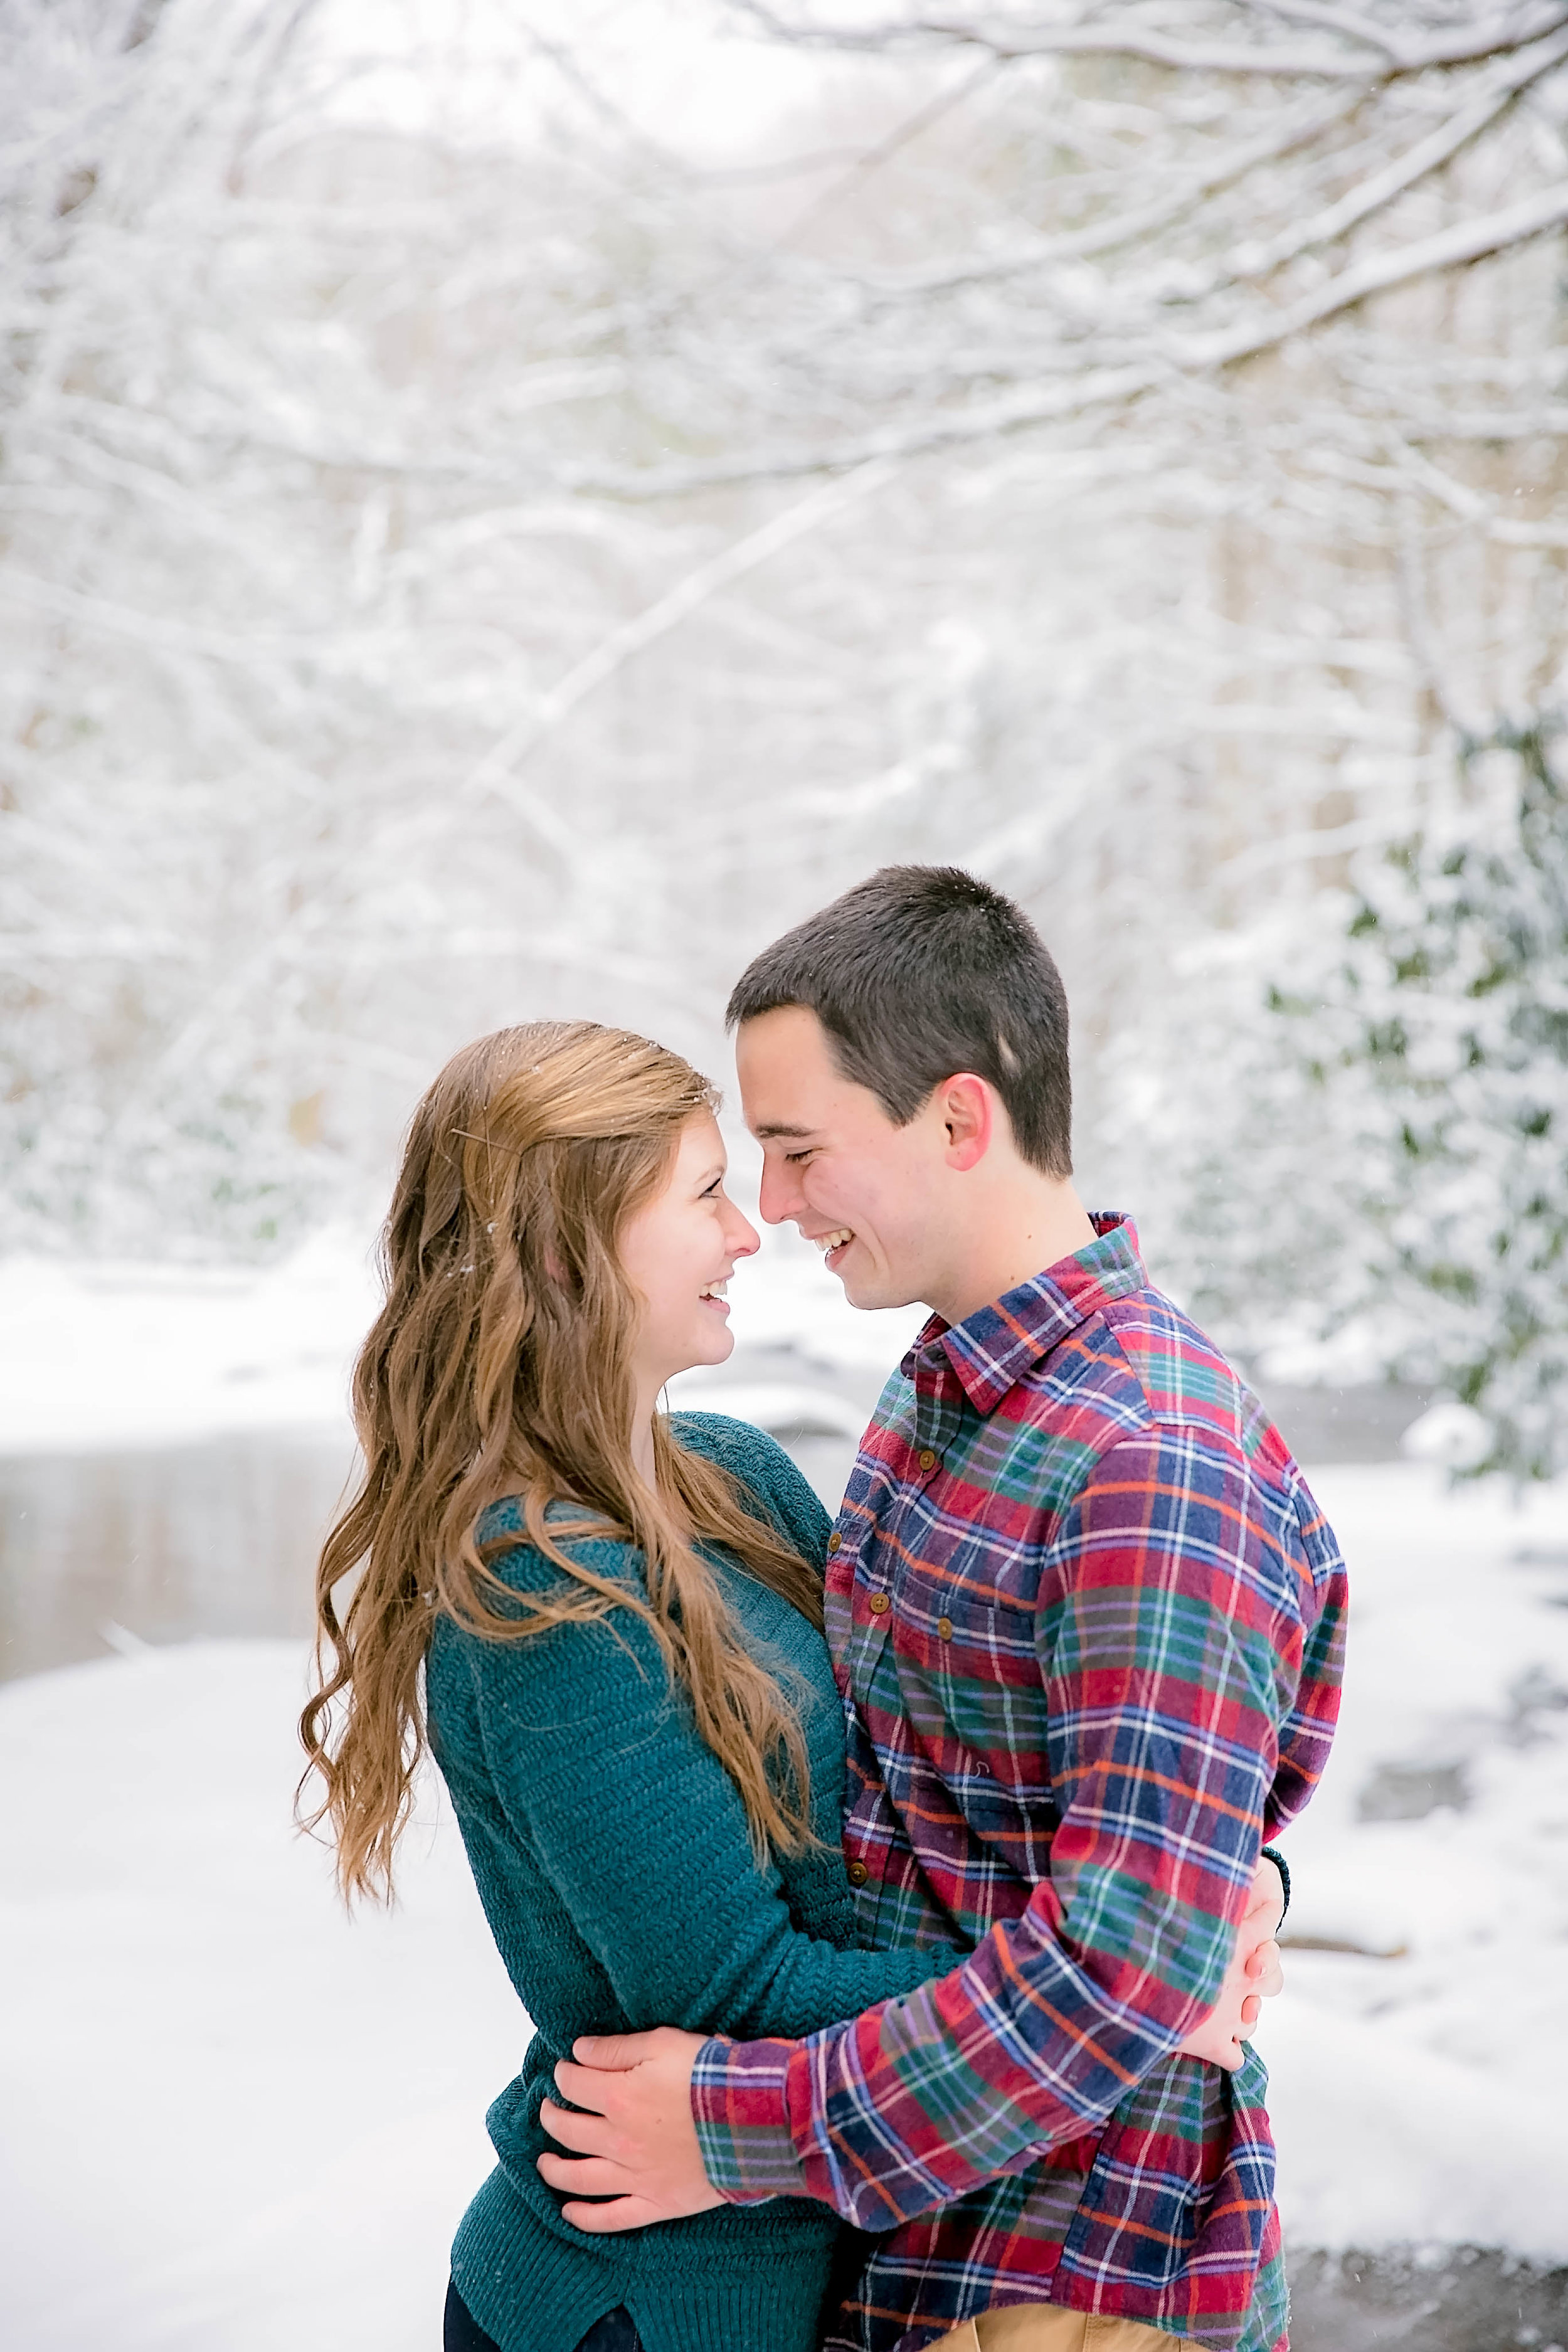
(638, 2144)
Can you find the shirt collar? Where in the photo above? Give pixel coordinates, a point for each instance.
(991, 1350)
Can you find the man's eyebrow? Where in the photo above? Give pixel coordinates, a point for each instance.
(772, 1127)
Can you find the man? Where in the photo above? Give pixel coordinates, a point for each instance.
(1087, 1621)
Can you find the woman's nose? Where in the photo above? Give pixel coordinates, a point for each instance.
(742, 1237)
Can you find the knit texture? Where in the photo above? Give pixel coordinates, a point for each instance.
(612, 1857)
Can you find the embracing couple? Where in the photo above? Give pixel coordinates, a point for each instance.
(888, 1895)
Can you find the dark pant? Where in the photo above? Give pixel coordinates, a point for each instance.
(462, 2333)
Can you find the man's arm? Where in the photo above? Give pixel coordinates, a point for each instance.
(1170, 1646)
(632, 2124)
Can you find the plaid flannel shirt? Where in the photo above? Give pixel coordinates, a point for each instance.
(1087, 1622)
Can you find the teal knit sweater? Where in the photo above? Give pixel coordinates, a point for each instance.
(612, 1855)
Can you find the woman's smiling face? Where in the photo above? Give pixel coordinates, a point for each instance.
(678, 1252)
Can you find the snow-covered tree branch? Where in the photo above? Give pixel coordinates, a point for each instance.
(449, 572)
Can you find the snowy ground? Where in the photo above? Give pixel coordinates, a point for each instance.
(1421, 2095)
(231, 2120)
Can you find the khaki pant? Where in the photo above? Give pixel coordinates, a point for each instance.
(1036, 2328)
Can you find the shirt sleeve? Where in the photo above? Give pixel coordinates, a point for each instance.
(641, 1835)
(1170, 1643)
(1308, 1729)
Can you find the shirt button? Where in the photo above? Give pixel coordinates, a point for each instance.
(834, 1541)
(859, 1874)
(879, 1604)
(927, 1458)
(944, 1627)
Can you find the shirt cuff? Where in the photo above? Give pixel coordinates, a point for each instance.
(739, 2107)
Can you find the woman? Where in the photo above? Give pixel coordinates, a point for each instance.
(618, 1616)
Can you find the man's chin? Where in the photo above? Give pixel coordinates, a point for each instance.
(871, 1297)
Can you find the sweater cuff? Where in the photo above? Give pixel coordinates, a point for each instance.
(1272, 1854)
(739, 2103)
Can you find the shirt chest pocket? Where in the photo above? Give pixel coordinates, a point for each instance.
(970, 1675)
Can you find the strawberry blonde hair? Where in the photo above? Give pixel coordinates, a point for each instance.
(501, 1364)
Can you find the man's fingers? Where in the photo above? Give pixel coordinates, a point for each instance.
(620, 2213)
(614, 2053)
(589, 2134)
(578, 2176)
(585, 2086)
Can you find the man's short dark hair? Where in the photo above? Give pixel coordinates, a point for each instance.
(919, 973)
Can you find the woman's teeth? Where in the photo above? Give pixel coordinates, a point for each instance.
(828, 1242)
(715, 1289)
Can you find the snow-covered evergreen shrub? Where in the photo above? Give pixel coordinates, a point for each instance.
(1379, 1153)
(1453, 1001)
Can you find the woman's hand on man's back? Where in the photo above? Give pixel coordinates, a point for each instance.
(1255, 1974)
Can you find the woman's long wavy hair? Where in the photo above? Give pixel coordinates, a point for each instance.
(501, 1364)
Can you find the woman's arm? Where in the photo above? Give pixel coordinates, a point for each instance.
(597, 1764)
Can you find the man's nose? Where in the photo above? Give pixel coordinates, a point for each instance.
(779, 1196)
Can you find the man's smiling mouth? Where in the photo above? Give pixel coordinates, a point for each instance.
(830, 1244)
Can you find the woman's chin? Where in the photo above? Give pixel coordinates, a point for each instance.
(704, 1349)
(716, 1343)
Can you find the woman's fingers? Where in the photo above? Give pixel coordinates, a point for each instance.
(1215, 2044)
(1266, 1970)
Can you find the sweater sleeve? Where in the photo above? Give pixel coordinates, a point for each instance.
(597, 1762)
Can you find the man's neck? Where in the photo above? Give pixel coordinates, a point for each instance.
(1009, 1237)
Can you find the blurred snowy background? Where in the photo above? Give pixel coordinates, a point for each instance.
(502, 507)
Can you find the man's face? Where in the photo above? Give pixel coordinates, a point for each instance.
(835, 1165)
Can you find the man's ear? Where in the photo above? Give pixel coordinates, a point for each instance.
(966, 1114)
